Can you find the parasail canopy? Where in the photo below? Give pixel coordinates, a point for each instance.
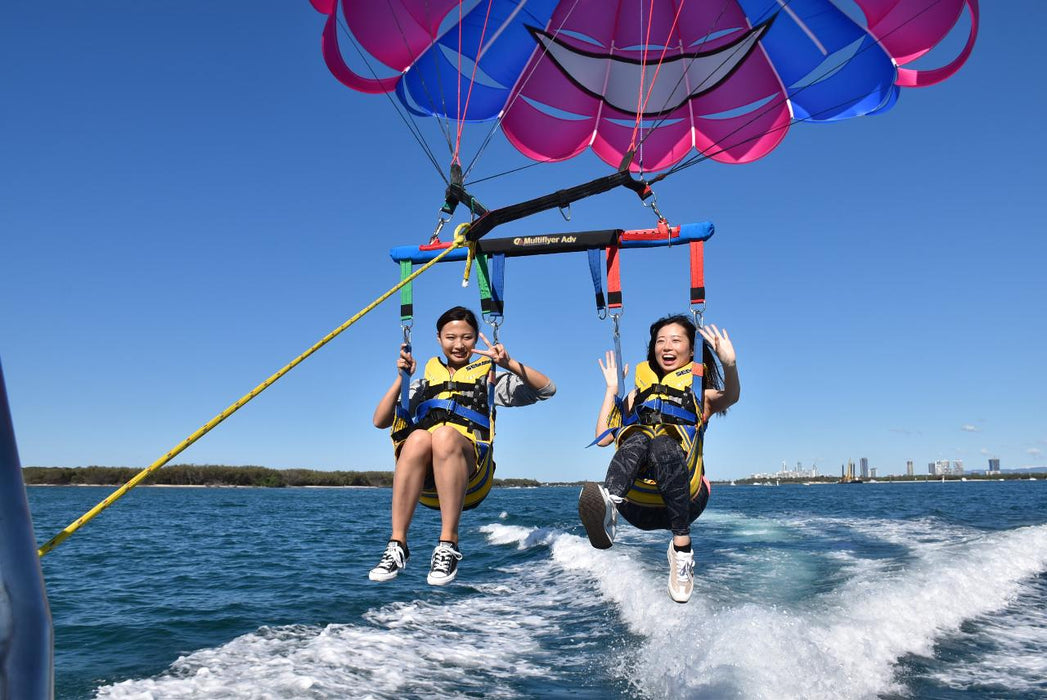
(666, 78)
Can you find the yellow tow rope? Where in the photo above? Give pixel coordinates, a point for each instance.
(459, 241)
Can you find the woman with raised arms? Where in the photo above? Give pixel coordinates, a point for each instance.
(656, 479)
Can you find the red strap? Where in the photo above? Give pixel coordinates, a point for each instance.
(614, 279)
(697, 272)
(662, 233)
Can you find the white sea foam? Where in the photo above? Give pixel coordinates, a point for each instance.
(1014, 650)
(548, 616)
(477, 645)
(522, 537)
(839, 645)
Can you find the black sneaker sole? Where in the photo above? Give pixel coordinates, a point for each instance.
(592, 510)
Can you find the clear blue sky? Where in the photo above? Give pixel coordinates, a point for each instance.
(189, 199)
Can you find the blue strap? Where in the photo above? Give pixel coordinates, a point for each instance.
(596, 270)
(621, 363)
(626, 420)
(668, 409)
(698, 389)
(404, 409)
(454, 407)
(497, 285)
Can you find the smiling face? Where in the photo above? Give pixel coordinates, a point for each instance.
(457, 340)
(672, 347)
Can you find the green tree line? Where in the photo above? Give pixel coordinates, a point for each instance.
(217, 475)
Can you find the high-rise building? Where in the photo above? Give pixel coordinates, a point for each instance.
(930, 467)
(994, 465)
(908, 468)
(872, 472)
(864, 461)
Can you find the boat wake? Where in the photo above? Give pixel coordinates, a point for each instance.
(572, 617)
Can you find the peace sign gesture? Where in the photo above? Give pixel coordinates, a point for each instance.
(497, 352)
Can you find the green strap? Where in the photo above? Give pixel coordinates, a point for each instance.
(483, 281)
(406, 292)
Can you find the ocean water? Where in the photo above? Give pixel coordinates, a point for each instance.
(924, 590)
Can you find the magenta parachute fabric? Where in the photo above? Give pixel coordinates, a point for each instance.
(664, 77)
(907, 37)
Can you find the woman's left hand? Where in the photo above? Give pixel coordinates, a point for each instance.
(720, 343)
(497, 352)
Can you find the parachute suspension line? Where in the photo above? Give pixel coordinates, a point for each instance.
(517, 91)
(643, 74)
(458, 109)
(658, 66)
(472, 77)
(203, 430)
(444, 123)
(774, 104)
(411, 125)
(683, 74)
(702, 157)
(509, 172)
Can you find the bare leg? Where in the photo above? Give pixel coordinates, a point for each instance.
(411, 466)
(453, 462)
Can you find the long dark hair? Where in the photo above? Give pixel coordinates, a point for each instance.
(457, 313)
(713, 372)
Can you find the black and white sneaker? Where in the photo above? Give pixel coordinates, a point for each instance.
(444, 566)
(598, 514)
(394, 560)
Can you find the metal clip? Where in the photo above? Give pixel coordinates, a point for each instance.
(698, 314)
(435, 238)
(654, 206)
(494, 322)
(566, 212)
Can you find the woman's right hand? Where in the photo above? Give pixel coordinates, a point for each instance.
(610, 371)
(405, 361)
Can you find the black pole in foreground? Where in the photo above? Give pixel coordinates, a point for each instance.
(26, 634)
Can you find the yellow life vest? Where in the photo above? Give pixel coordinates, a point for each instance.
(464, 400)
(666, 406)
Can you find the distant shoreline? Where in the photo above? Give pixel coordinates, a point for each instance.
(221, 476)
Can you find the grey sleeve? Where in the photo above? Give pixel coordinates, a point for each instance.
(512, 390)
(416, 392)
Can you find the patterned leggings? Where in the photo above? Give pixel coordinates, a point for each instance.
(662, 459)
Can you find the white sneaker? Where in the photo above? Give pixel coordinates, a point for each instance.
(681, 574)
(394, 560)
(444, 565)
(598, 514)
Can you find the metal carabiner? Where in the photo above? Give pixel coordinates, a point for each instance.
(698, 314)
(440, 223)
(653, 205)
(566, 212)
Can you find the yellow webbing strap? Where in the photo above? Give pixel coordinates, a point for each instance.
(112, 498)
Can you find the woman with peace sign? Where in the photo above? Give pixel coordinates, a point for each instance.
(443, 449)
